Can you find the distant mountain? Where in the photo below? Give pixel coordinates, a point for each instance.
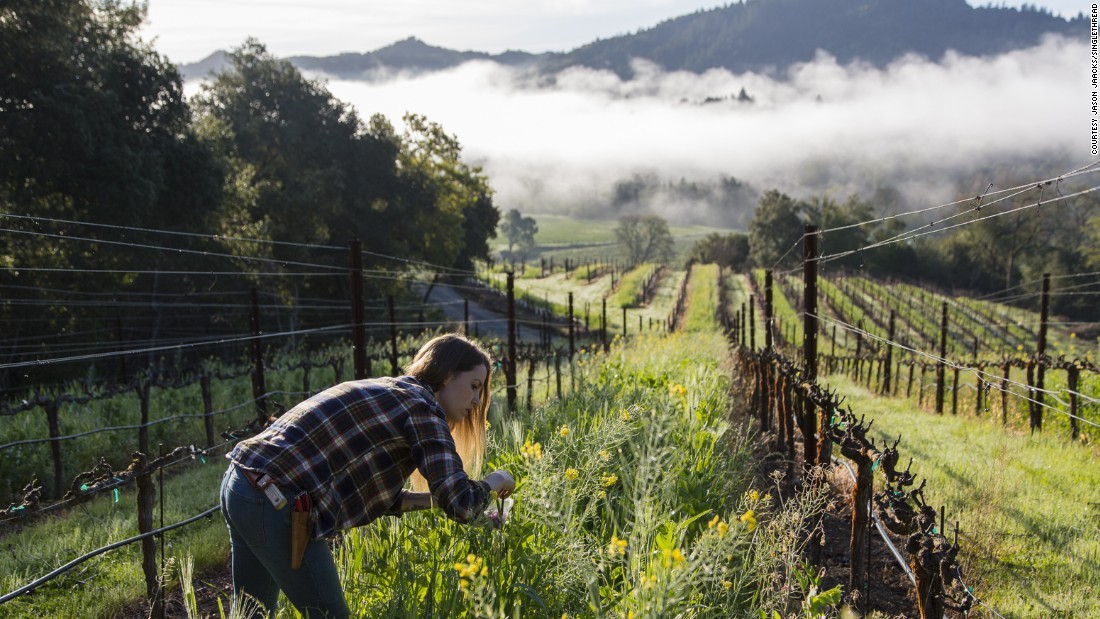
(408, 56)
(766, 36)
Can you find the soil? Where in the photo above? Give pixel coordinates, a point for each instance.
(891, 594)
(209, 588)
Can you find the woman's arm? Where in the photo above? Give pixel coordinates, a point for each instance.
(414, 501)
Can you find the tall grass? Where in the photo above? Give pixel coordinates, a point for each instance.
(702, 299)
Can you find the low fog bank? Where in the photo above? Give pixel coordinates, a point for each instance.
(699, 149)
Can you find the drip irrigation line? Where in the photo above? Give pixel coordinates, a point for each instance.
(882, 533)
(77, 561)
(979, 373)
(974, 597)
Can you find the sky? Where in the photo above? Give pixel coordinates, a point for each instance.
(917, 126)
(189, 30)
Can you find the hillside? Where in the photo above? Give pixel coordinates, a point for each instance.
(766, 36)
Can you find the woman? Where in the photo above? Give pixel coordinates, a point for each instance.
(343, 457)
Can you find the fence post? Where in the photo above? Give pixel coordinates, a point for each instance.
(557, 371)
(207, 407)
(142, 389)
(258, 387)
(55, 447)
(530, 383)
(1037, 406)
(769, 316)
(887, 374)
(358, 329)
(624, 321)
(571, 328)
(603, 325)
(809, 337)
(146, 497)
(510, 366)
(1004, 392)
(752, 323)
(1071, 385)
(955, 394)
(941, 367)
(393, 338)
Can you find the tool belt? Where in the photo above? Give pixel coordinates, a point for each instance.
(299, 514)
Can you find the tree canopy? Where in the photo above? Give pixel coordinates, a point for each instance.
(646, 238)
(520, 232)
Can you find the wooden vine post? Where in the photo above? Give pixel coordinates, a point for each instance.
(510, 362)
(358, 329)
(258, 387)
(1040, 353)
(941, 367)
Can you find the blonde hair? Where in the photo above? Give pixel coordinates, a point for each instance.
(434, 364)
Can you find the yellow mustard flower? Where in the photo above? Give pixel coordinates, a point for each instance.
(617, 547)
(625, 415)
(609, 480)
(672, 558)
(754, 496)
(749, 518)
(472, 568)
(563, 431)
(604, 455)
(531, 450)
(572, 474)
(726, 584)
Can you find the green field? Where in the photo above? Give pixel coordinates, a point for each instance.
(562, 237)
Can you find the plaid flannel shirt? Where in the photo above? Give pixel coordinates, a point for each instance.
(353, 446)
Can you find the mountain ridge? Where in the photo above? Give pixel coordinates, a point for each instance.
(762, 36)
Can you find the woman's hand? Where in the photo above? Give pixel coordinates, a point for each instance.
(501, 482)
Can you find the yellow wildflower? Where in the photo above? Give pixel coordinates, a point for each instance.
(625, 415)
(604, 455)
(749, 518)
(672, 558)
(572, 474)
(531, 450)
(563, 431)
(601, 494)
(754, 496)
(472, 568)
(726, 584)
(609, 480)
(617, 547)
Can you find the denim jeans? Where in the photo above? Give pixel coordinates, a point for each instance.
(259, 541)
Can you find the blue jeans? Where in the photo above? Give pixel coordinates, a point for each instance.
(259, 541)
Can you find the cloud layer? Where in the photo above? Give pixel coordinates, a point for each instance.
(553, 145)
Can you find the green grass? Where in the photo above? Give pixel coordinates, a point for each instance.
(702, 299)
(1028, 506)
(628, 293)
(106, 584)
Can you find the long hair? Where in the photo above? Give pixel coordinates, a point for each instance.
(434, 364)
